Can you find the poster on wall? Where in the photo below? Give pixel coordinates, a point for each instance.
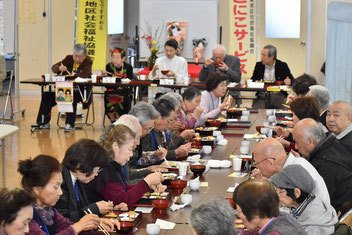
(177, 30)
(242, 41)
(64, 96)
(92, 30)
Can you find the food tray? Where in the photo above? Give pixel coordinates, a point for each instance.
(206, 131)
(148, 197)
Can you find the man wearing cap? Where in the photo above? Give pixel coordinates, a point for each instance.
(295, 187)
(270, 157)
(329, 157)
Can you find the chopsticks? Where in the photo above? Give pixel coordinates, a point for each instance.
(109, 73)
(179, 197)
(159, 147)
(286, 106)
(66, 71)
(99, 226)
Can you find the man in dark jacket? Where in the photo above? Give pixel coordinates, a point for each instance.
(328, 156)
(271, 69)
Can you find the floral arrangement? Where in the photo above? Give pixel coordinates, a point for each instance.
(152, 40)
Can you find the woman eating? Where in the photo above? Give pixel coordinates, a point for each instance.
(42, 179)
(110, 184)
(117, 100)
(257, 205)
(190, 110)
(82, 163)
(16, 211)
(216, 87)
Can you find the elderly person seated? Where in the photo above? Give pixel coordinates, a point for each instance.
(223, 63)
(328, 156)
(257, 205)
(301, 86)
(41, 177)
(213, 218)
(295, 186)
(339, 122)
(134, 176)
(78, 64)
(190, 110)
(270, 157)
(82, 162)
(322, 95)
(176, 99)
(216, 87)
(159, 138)
(16, 211)
(111, 183)
(303, 107)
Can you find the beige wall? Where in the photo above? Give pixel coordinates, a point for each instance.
(33, 39)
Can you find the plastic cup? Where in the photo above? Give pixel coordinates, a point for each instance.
(237, 164)
(47, 77)
(245, 143)
(141, 77)
(206, 149)
(94, 78)
(264, 130)
(182, 169)
(244, 150)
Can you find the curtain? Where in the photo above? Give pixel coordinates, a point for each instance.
(339, 51)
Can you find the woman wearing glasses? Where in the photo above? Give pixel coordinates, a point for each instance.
(81, 164)
(216, 87)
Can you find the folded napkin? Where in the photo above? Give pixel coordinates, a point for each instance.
(219, 163)
(175, 207)
(79, 79)
(165, 224)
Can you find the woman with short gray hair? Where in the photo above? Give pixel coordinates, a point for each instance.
(214, 218)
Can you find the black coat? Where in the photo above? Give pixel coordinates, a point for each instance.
(334, 164)
(67, 204)
(281, 71)
(323, 119)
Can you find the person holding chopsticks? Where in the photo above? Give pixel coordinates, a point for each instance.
(82, 163)
(77, 64)
(41, 177)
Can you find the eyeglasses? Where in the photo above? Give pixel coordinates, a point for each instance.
(95, 171)
(279, 191)
(148, 129)
(238, 212)
(257, 163)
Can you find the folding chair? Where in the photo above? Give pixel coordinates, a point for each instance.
(8, 95)
(86, 106)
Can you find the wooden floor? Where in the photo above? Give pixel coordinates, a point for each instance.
(54, 142)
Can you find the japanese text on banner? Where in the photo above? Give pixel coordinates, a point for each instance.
(243, 34)
(92, 30)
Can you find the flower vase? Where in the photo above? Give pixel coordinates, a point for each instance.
(151, 61)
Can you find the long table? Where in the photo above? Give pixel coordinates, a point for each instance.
(218, 181)
(134, 84)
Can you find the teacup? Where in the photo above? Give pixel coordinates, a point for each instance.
(269, 112)
(219, 138)
(207, 149)
(216, 133)
(272, 118)
(245, 113)
(244, 150)
(244, 118)
(264, 130)
(153, 229)
(194, 184)
(245, 143)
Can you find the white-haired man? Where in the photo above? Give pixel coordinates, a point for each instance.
(223, 63)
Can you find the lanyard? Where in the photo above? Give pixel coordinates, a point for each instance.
(39, 221)
(154, 140)
(125, 171)
(123, 183)
(267, 225)
(77, 195)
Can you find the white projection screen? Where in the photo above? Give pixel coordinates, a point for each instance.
(282, 18)
(115, 16)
